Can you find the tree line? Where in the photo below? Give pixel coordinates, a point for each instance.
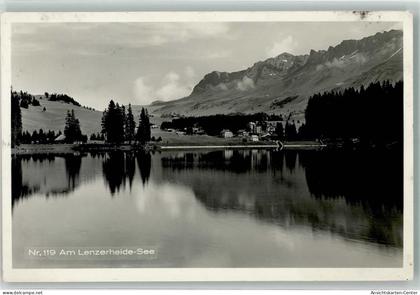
(97, 136)
(373, 115)
(16, 119)
(18, 136)
(39, 136)
(118, 125)
(214, 124)
(25, 99)
(72, 133)
(61, 97)
(72, 130)
(289, 132)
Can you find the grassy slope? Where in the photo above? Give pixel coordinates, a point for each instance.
(53, 118)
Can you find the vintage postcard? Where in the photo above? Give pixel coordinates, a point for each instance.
(207, 146)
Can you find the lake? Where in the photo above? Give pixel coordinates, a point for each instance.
(210, 208)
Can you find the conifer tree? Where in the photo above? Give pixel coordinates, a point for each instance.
(124, 120)
(130, 125)
(119, 123)
(72, 130)
(34, 136)
(290, 131)
(113, 120)
(279, 131)
(41, 136)
(16, 117)
(372, 114)
(143, 131)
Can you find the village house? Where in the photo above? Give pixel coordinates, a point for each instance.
(254, 137)
(242, 133)
(226, 133)
(199, 131)
(60, 139)
(271, 126)
(255, 128)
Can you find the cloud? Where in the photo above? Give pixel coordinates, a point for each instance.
(360, 58)
(155, 34)
(162, 196)
(79, 38)
(142, 91)
(335, 63)
(173, 86)
(189, 72)
(218, 54)
(203, 30)
(396, 26)
(288, 44)
(341, 62)
(222, 86)
(157, 40)
(245, 84)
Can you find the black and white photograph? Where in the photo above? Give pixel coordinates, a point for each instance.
(266, 146)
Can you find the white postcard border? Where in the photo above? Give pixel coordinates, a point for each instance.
(206, 274)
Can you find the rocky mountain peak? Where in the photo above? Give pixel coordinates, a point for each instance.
(350, 63)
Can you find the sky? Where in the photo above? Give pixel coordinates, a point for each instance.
(139, 63)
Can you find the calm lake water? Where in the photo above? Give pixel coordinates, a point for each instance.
(224, 208)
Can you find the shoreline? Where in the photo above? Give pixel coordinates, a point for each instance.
(188, 147)
(76, 148)
(251, 146)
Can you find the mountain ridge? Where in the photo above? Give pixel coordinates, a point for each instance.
(260, 87)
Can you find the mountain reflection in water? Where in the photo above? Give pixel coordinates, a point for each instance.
(354, 195)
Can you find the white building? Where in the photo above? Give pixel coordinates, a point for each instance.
(254, 138)
(251, 127)
(226, 133)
